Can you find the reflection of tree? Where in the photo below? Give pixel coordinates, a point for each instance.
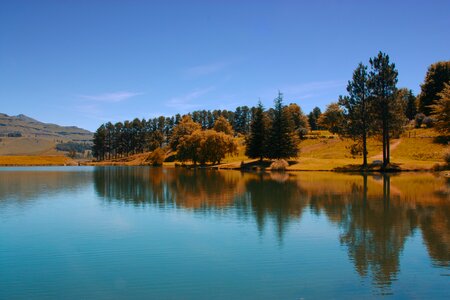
(374, 231)
(269, 196)
(376, 214)
(166, 187)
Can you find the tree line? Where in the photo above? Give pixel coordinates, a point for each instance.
(373, 106)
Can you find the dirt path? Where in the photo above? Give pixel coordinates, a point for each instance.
(393, 146)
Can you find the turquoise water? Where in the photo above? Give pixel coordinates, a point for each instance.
(151, 233)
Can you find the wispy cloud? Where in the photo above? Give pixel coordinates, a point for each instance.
(184, 102)
(111, 97)
(203, 70)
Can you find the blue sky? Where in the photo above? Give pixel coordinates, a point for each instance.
(87, 62)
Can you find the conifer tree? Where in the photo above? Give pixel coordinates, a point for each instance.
(437, 75)
(388, 112)
(256, 140)
(357, 124)
(282, 141)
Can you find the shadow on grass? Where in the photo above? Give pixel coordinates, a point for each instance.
(374, 167)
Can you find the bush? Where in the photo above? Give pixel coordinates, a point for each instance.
(156, 158)
(428, 122)
(418, 120)
(279, 165)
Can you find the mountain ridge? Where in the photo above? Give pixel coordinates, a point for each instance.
(23, 135)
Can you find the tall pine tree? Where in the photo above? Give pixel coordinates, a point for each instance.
(356, 108)
(283, 141)
(256, 140)
(383, 86)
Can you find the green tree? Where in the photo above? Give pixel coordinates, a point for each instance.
(283, 140)
(256, 141)
(332, 118)
(387, 111)
(441, 111)
(222, 125)
(437, 75)
(356, 110)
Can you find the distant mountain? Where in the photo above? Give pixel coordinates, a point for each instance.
(24, 135)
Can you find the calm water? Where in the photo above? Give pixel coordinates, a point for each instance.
(138, 232)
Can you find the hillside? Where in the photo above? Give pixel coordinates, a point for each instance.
(22, 135)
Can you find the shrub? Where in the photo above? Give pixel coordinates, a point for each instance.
(418, 120)
(156, 158)
(428, 122)
(279, 165)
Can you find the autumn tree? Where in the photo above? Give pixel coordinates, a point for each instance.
(332, 118)
(437, 75)
(205, 146)
(409, 101)
(282, 140)
(222, 125)
(256, 141)
(185, 127)
(356, 110)
(299, 119)
(441, 110)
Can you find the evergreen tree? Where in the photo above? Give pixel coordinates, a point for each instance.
(382, 86)
(99, 149)
(357, 119)
(441, 111)
(437, 74)
(283, 141)
(409, 101)
(256, 141)
(313, 117)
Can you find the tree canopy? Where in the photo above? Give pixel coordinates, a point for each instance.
(437, 75)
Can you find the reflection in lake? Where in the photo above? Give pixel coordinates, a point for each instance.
(381, 223)
(376, 214)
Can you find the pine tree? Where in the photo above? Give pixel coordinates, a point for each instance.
(255, 142)
(98, 149)
(356, 108)
(437, 74)
(387, 111)
(283, 141)
(441, 111)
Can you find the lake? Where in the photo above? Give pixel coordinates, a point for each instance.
(152, 233)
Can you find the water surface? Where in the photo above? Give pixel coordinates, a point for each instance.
(138, 232)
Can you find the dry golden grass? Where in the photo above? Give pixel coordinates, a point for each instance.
(36, 161)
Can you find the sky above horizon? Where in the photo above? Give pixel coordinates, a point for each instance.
(84, 63)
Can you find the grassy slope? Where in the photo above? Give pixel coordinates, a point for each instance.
(416, 150)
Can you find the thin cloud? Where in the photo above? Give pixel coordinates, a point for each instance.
(203, 70)
(184, 102)
(111, 97)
